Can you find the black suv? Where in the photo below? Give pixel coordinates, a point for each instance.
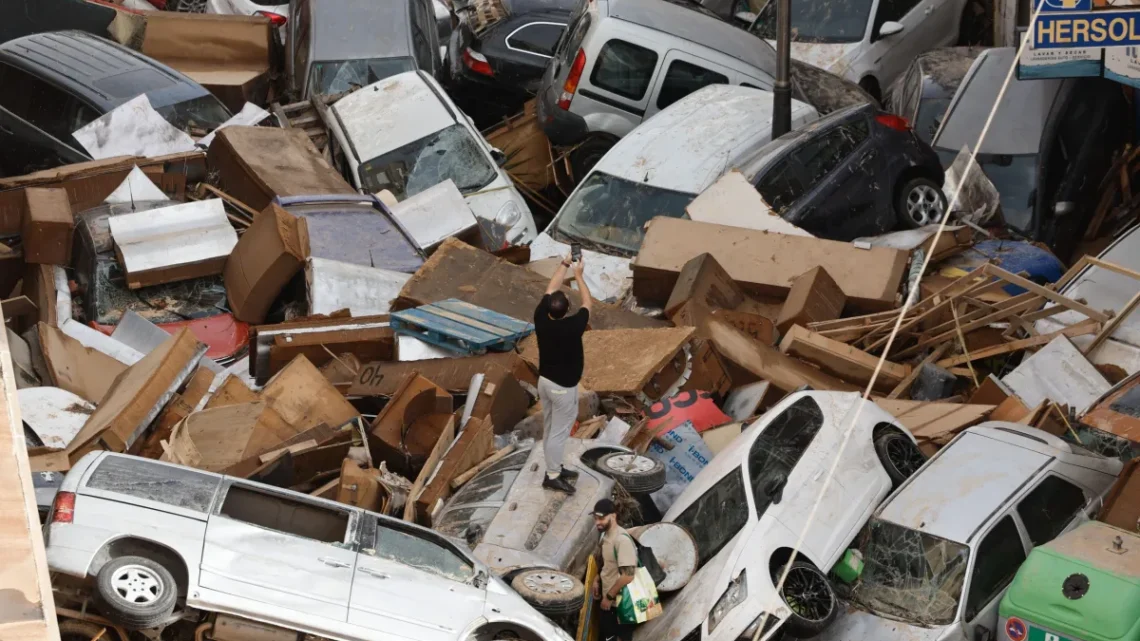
(51, 84)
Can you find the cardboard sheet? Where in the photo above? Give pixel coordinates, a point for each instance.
(81, 370)
(332, 285)
(219, 438)
(270, 252)
(474, 443)
(305, 399)
(764, 263)
(47, 231)
(407, 429)
(180, 242)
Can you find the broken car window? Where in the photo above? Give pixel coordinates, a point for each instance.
(345, 75)
(612, 211)
(137, 477)
(417, 552)
(999, 556)
(286, 515)
(910, 575)
(168, 303)
(821, 154)
(779, 447)
(1047, 509)
(822, 22)
(1015, 178)
(782, 185)
(468, 524)
(717, 516)
(450, 153)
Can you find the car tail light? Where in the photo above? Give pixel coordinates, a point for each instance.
(277, 19)
(898, 123)
(572, 79)
(477, 62)
(63, 508)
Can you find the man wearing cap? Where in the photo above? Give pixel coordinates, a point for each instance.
(560, 364)
(618, 564)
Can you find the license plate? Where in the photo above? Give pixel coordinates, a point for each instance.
(1037, 634)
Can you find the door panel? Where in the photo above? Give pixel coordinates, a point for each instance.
(280, 551)
(26, 148)
(891, 55)
(681, 74)
(616, 87)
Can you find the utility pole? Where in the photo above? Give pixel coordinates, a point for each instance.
(782, 100)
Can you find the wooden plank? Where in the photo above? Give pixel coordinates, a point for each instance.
(934, 424)
(460, 480)
(962, 286)
(1103, 335)
(904, 384)
(56, 461)
(839, 359)
(1025, 283)
(292, 449)
(1087, 326)
(1113, 267)
(781, 370)
(18, 306)
(1011, 307)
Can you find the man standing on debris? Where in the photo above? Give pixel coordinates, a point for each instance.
(617, 567)
(560, 363)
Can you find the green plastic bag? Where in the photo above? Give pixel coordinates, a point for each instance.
(638, 602)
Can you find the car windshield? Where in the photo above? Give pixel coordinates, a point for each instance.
(450, 153)
(345, 75)
(930, 113)
(909, 575)
(611, 211)
(204, 113)
(1014, 177)
(822, 22)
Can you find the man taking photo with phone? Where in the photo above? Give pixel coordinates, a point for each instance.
(560, 364)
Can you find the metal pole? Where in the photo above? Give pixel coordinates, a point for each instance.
(782, 100)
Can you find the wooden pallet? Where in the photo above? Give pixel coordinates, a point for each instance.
(309, 115)
(460, 327)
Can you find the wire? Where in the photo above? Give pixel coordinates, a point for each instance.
(910, 299)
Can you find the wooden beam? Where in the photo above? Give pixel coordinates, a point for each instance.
(947, 295)
(842, 360)
(1113, 267)
(1082, 328)
(1113, 324)
(782, 371)
(1014, 279)
(1007, 309)
(996, 312)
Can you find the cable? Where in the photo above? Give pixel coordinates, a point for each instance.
(910, 299)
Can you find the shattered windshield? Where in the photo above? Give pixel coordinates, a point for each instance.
(450, 153)
(909, 575)
(822, 22)
(204, 113)
(612, 211)
(345, 75)
(170, 303)
(717, 516)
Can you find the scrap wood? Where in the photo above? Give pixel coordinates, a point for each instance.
(959, 325)
(783, 371)
(18, 306)
(462, 479)
(934, 424)
(1087, 326)
(1111, 326)
(904, 385)
(245, 209)
(292, 449)
(1014, 279)
(590, 427)
(842, 360)
(965, 348)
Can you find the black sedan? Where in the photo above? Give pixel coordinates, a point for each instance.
(856, 172)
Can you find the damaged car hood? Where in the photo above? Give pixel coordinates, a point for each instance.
(829, 57)
(689, 608)
(859, 625)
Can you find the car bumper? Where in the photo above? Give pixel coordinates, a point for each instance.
(560, 126)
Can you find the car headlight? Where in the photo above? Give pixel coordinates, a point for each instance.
(769, 620)
(509, 214)
(733, 596)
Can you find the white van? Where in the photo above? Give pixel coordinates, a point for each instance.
(657, 170)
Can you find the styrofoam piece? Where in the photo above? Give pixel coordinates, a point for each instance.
(435, 214)
(133, 128)
(410, 348)
(733, 201)
(1058, 373)
(334, 285)
(55, 415)
(614, 431)
(173, 238)
(249, 115)
(135, 188)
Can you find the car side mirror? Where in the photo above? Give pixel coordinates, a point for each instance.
(499, 157)
(890, 28)
(982, 633)
(1064, 208)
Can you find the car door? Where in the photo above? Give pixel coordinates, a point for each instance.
(1001, 551)
(413, 584)
(527, 48)
(888, 56)
(838, 166)
(682, 75)
(616, 90)
(36, 121)
(280, 549)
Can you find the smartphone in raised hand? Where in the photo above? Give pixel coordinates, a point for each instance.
(575, 252)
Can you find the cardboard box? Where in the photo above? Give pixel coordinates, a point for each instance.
(359, 487)
(475, 443)
(813, 297)
(709, 373)
(501, 402)
(256, 164)
(840, 359)
(83, 371)
(47, 229)
(408, 427)
(267, 256)
(305, 398)
(703, 281)
(763, 263)
(383, 378)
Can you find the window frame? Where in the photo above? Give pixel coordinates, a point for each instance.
(665, 79)
(975, 552)
(553, 51)
(349, 542)
(371, 525)
(597, 66)
(1025, 523)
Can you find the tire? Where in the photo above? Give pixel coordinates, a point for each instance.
(551, 592)
(587, 154)
(900, 457)
(72, 630)
(186, 6)
(807, 619)
(636, 473)
(920, 202)
(136, 592)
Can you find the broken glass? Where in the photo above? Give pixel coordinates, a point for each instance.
(717, 516)
(167, 484)
(910, 575)
(168, 303)
(335, 77)
(449, 154)
(778, 449)
(419, 553)
(469, 523)
(611, 211)
(1103, 443)
(1128, 403)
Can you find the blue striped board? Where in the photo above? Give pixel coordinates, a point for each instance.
(461, 327)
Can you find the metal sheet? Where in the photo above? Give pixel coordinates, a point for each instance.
(55, 415)
(1058, 373)
(436, 214)
(333, 285)
(99, 341)
(173, 237)
(138, 333)
(249, 115)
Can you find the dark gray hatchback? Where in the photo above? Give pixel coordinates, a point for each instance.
(51, 84)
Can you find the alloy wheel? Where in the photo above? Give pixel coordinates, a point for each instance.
(924, 205)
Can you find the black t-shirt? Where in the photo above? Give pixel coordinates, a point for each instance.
(560, 356)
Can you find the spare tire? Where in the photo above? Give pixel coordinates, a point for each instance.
(551, 592)
(638, 474)
(136, 592)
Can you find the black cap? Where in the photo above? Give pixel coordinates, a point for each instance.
(604, 507)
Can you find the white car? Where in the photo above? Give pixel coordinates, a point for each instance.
(869, 42)
(276, 12)
(152, 535)
(747, 508)
(405, 135)
(940, 553)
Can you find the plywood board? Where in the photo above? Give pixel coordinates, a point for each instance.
(934, 424)
(305, 398)
(475, 443)
(842, 360)
(80, 370)
(782, 371)
(231, 391)
(621, 361)
(382, 378)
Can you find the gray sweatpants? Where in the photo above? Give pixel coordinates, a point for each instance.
(559, 411)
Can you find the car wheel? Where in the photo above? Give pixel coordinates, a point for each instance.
(636, 473)
(587, 154)
(187, 6)
(809, 596)
(551, 592)
(921, 202)
(136, 592)
(900, 457)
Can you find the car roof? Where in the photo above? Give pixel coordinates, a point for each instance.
(393, 112)
(943, 69)
(1021, 116)
(103, 73)
(360, 29)
(696, 24)
(968, 480)
(522, 7)
(765, 156)
(688, 145)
